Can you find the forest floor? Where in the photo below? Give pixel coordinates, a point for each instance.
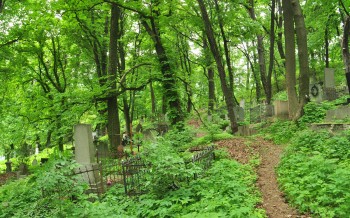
(5, 177)
(243, 150)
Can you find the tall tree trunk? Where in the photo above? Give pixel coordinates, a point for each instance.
(215, 51)
(153, 98)
(126, 106)
(280, 32)
(290, 58)
(272, 53)
(255, 74)
(227, 53)
(113, 126)
(261, 56)
(345, 49)
(304, 78)
(326, 42)
(169, 82)
(210, 73)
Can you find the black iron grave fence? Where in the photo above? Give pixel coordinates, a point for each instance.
(112, 169)
(91, 174)
(135, 169)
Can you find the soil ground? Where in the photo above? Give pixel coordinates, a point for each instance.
(6, 176)
(243, 150)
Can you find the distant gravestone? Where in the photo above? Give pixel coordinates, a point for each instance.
(281, 109)
(329, 81)
(269, 110)
(329, 84)
(242, 103)
(340, 113)
(239, 113)
(35, 162)
(316, 92)
(22, 171)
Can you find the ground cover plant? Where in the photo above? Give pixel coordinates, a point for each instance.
(49, 192)
(232, 194)
(227, 189)
(315, 173)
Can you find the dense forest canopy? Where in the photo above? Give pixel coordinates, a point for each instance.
(112, 63)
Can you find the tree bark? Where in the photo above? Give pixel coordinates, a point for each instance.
(153, 98)
(169, 82)
(326, 42)
(280, 32)
(113, 126)
(261, 56)
(304, 78)
(290, 58)
(215, 51)
(210, 72)
(345, 50)
(272, 53)
(227, 53)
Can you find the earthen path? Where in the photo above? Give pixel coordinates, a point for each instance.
(273, 201)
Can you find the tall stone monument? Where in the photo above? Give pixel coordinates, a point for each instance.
(85, 155)
(84, 146)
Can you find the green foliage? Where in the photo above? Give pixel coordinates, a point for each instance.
(168, 169)
(315, 112)
(281, 96)
(46, 193)
(280, 132)
(314, 173)
(179, 136)
(227, 191)
(207, 139)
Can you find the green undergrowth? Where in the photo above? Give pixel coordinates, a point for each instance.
(280, 132)
(314, 173)
(227, 189)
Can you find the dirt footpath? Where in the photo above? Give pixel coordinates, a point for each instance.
(242, 149)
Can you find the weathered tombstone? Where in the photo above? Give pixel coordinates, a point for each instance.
(281, 109)
(329, 84)
(239, 113)
(329, 81)
(242, 103)
(84, 146)
(340, 113)
(210, 118)
(138, 128)
(35, 162)
(269, 110)
(85, 156)
(22, 171)
(255, 114)
(36, 149)
(316, 92)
